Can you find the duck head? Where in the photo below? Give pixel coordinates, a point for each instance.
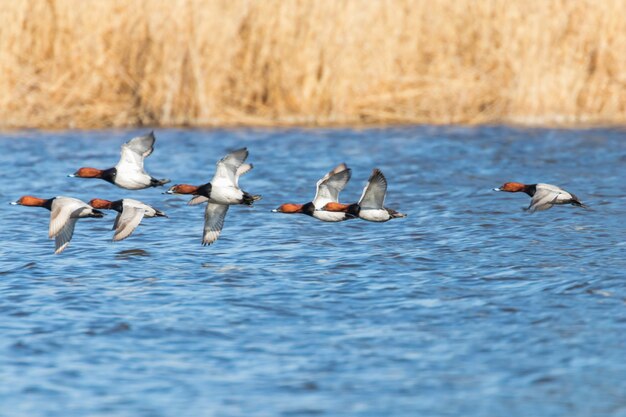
(29, 200)
(288, 208)
(87, 172)
(182, 189)
(512, 187)
(99, 203)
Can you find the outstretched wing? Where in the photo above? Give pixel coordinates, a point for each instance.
(63, 237)
(226, 169)
(199, 199)
(329, 187)
(373, 196)
(60, 213)
(243, 169)
(543, 199)
(214, 216)
(127, 221)
(135, 151)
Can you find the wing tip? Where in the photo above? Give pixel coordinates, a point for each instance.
(376, 172)
(61, 248)
(240, 150)
(117, 238)
(377, 175)
(339, 168)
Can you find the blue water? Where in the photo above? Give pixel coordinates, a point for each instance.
(468, 307)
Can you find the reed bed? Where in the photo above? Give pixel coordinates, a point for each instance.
(94, 63)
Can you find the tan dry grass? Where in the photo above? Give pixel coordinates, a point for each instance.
(99, 63)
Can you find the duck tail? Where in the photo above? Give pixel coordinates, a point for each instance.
(576, 202)
(157, 183)
(395, 215)
(249, 199)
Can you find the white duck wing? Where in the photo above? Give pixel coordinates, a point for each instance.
(199, 199)
(142, 145)
(214, 216)
(130, 202)
(226, 168)
(562, 196)
(243, 169)
(149, 211)
(63, 237)
(329, 187)
(135, 151)
(373, 196)
(62, 209)
(549, 187)
(543, 199)
(127, 221)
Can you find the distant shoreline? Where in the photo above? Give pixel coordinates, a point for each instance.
(362, 126)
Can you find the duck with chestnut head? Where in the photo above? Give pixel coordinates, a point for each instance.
(64, 213)
(129, 173)
(220, 193)
(327, 191)
(371, 204)
(542, 196)
(130, 213)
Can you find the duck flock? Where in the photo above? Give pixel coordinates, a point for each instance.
(223, 191)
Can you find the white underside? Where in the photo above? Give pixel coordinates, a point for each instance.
(226, 195)
(374, 215)
(148, 211)
(548, 195)
(329, 216)
(132, 180)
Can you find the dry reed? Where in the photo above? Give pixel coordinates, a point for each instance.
(96, 63)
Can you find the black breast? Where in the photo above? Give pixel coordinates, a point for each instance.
(117, 205)
(109, 175)
(531, 189)
(204, 190)
(308, 209)
(48, 203)
(354, 209)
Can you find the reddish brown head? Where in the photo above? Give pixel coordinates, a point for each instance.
(336, 207)
(99, 203)
(182, 189)
(29, 200)
(289, 208)
(512, 187)
(87, 173)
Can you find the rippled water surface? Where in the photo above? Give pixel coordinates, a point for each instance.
(468, 307)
